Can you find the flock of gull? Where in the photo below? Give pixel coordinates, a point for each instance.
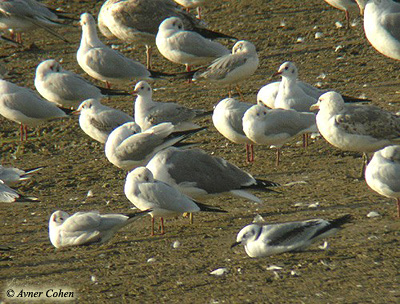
(167, 176)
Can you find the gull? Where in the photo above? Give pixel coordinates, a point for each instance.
(9, 195)
(276, 126)
(149, 113)
(265, 240)
(188, 4)
(128, 148)
(98, 120)
(104, 63)
(232, 68)
(11, 176)
(344, 5)
(137, 21)
(145, 192)
(25, 107)
(85, 228)
(290, 95)
(21, 16)
(227, 119)
(382, 25)
(65, 88)
(361, 128)
(383, 173)
(186, 47)
(200, 176)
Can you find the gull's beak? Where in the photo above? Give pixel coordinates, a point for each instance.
(76, 112)
(314, 107)
(235, 244)
(134, 92)
(276, 74)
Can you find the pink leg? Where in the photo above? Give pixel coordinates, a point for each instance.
(398, 206)
(252, 152)
(347, 19)
(188, 69)
(26, 132)
(21, 132)
(152, 226)
(278, 156)
(199, 12)
(305, 140)
(162, 225)
(108, 85)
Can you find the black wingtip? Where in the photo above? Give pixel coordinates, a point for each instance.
(209, 34)
(336, 223)
(138, 213)
(350, 99)
(208, 208)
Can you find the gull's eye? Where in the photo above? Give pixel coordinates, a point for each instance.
(286, 68)
(142, 88)
(148, 89)
(174, 24)
(265, 113)
(179, 26)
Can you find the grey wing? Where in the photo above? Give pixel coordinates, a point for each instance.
(109, 120)
(371, 121)
(389, 174)
(288, 121)
(138, 147)
(7, 195)
(235, 119)
(170, 112)
(196, 45)
(224, 65)
(391, 22)
(112, 64)
(81, 228)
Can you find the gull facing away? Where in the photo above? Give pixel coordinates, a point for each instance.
(232, 68)
(98, 120)
(383, 173)
(186, 47)
(149, 113)
(265, 240)
(65, 88)
(276, 126)
(19, 16)
(11, 176)
(137, 21)
(228, 120)
(25, 107)
(200, 176)
(382, 25)
(85, 228)
(344, 5)
(361, 128)
(104, 63)
(145, 192)
(128, 148)
(9, 195)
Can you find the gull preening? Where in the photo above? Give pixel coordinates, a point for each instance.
(149, 113)
(25, 107)
(200, 175)
(186, 47)
(9, 195)
(383, 173)
(145, 192)
(276, 126)
(65, 88)
(265, 240)
(11, 176)
(381, 25)
(98, 120)
(85, 228)
(128, 148)
(228, 120)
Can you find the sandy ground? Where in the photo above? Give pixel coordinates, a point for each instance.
(362, 263)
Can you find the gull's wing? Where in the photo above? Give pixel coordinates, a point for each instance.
(169, 112)
(109, 120)
(224, 65)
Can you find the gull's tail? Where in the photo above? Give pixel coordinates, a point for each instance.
(208, 208)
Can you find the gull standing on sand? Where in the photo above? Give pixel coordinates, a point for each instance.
(145, 192)
(104, 63)
(276, 126)
(228, 120)
(8, 195)
(98, 120)
(19, 16)
(382, 25)
(85, 228)
(199, 175)
(149, 113)
(128, 148)
(361, 128)
(232, 68)
(25, 107)
(344, 5)
(186, 47)
(383, 173)
(65, 88)
(265, 240)
(137, 21)
(188, 4)
(11, 176)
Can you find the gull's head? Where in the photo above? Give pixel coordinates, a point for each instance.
(391, 153)
(142, 88)
(244, 46)
(132, 126)
(257, 112)
(287, 69)
(47, 67)
(58, 218)
(86, 19)
(88, 104)
(172, 23)
(330, 101)
(140, 174)
(248, 234)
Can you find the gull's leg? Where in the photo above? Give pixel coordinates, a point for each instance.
(347, 18)
(398, 207)
(240, 93)
(252, 152)
(278, 156)
(191, 218)
(162, 225)
(188, 69)
(21, 132)
(198, 12)
(365, 161)
(148, 55)
(26, 132)
(108, 85)
(152, 226)
(305, 140)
